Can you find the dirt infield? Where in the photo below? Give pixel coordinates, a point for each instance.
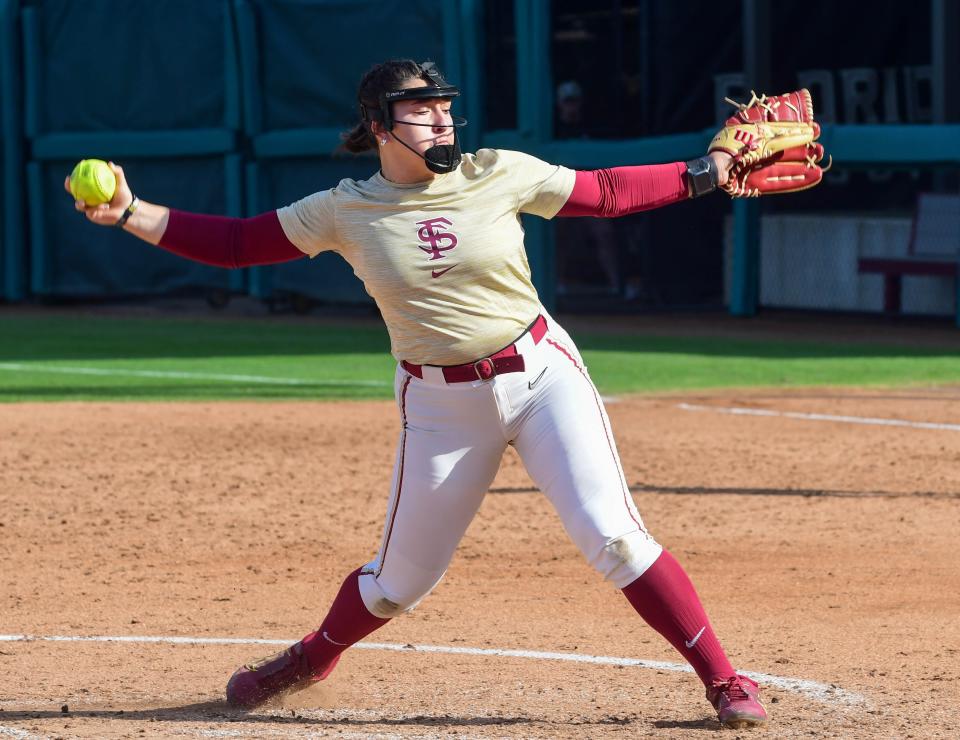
(825, 551)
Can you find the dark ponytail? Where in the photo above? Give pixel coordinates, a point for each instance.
(358, 139)
(379, 79)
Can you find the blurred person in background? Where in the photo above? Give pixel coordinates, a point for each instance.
(584, 240)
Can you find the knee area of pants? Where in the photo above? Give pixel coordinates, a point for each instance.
(627, 558)
(389, 605)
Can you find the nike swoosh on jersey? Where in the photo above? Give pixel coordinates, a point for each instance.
(438, 273)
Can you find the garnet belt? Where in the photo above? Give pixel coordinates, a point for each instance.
(507, 360)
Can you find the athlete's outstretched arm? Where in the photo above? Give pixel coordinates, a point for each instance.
(228, 242)
(213, 240)
(617, 191)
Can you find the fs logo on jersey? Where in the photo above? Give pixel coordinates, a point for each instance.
(433, 233)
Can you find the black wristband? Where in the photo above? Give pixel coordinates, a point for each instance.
(703, 176)
(128, 213)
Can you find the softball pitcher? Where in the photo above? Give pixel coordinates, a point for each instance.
(435, 236)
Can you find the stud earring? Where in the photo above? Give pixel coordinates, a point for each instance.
(383, 140)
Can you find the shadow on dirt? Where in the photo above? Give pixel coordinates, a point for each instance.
(687, 724)
(739, 491)
(220, 713)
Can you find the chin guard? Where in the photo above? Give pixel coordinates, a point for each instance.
(441, 158)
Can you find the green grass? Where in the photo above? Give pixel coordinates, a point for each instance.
(95, 358)
(632, 364)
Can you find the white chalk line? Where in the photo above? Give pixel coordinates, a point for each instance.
(14, 732)
(184, 375)
(740, 411)
(812, 689)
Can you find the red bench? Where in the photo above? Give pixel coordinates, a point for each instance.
(934, 248)
(894, 268)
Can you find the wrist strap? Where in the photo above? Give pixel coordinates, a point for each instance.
(703, 176)
(128, 213)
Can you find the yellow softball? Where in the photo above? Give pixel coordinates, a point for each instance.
(93, 182)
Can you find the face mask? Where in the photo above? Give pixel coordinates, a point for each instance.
(444, 158)
(441, 158)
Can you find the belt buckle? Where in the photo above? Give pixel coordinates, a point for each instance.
(490, 371)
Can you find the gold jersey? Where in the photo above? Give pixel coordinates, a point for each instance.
(444, 260)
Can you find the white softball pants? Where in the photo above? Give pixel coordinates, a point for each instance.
(450, 448)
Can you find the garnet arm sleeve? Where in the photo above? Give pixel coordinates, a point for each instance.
(228, 242)
(618, 191)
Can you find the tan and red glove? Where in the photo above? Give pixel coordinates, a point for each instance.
(773, 145)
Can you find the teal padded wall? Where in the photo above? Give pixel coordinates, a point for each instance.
(165, 105)
(5, 77)
(12, 233)
(85, 260)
